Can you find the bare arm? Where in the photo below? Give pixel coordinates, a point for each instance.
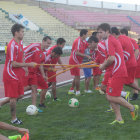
(3, 137)
(6, 126)
(107, 62)
(82, 55)
(41, 68)
(60, 62)
(17, 64)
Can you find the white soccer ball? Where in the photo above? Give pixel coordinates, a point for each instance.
(48, 95)
(31, 110)
(73, 102)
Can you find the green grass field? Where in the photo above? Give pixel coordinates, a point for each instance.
(87, 122)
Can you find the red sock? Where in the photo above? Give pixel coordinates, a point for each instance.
(71, 88)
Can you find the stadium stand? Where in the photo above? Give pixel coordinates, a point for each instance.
(59, 20)
(92, 18)
(5, 36)
(48, 23)
(88, 17)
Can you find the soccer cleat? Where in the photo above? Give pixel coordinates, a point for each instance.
(56, 99)
(88, 91)
(110, 110)
(16, 121)
(117, 122)
(134, 113)
(127, 96)
(40, 111)
(134, 97)
(97, 88)
(70, 92)
(42, 105)
(77, 93)
(101, 92)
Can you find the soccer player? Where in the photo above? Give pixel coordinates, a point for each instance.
(136, 50)
(13, 70)
(87, 72)
(99, 57)
(6, 126)
(36, 76)
(139, 42)
(60, 43)
(50, 58)
(93, 41)
(115, 62)
(129, 55)
(76, 57)
(133, 42)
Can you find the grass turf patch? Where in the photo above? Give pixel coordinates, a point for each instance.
(87, 122)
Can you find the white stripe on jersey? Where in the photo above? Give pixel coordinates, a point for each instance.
(78, 43)
(12, 50)
(75, 58)
(101, 45)
(28, 48)
(117, 62)
(9, 67)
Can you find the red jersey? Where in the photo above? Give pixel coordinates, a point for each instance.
(114, 48)
(78, 45)
(128, 51)
(14, 53)
(55, 60)
(34, 53)
(49, 59)
(101, 52)
(134, 44)
(50, 49)
(136, 47)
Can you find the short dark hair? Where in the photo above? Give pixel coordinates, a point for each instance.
(58, 50)
(45, 38)
(124, 31)
(138, 38)
(60, 41)
(83, 32)
(115, 30)
(93, 38)
(94, 33)
(105, 27)
(16, 28)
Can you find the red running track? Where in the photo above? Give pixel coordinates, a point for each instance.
(60, 78)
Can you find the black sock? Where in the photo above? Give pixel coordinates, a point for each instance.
(135, 95)
(55, 98)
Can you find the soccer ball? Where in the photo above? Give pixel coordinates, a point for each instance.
(48, 95)
(73, 102)
(31, 110)
(101, 92)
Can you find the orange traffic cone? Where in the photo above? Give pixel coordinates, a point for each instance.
(25, 137)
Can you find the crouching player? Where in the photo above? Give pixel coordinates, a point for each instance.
(36, 76)
(52, 81)
(50, 58)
